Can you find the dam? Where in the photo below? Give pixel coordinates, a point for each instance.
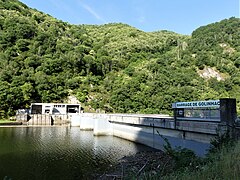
(150, 130)
(193, 126)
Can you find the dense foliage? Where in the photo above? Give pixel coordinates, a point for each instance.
(113, 67)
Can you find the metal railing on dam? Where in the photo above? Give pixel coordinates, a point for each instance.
(167, 122)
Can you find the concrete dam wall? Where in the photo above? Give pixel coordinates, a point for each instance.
(150, 130)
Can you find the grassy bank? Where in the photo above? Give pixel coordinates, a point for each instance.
(6, 120)
(223, 165)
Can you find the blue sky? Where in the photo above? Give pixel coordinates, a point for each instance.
(180, 16)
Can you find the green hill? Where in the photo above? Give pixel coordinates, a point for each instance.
(113, 67)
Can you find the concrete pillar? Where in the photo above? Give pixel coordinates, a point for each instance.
(102, 125)
(228, 114)
(87, 122)
(75, 120)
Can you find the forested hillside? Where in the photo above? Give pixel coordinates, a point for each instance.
(113, 67)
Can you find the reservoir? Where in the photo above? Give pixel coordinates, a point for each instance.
(59, 153)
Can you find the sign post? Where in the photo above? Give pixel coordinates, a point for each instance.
(197, 110)
(222, 111)
(198, 104)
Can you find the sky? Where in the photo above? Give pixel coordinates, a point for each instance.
(180, 16)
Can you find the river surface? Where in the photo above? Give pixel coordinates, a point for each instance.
(59, 153)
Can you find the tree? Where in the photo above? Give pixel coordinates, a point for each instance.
(27, 91)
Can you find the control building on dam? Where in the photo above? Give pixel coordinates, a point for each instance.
(193, 125)
(48, 113)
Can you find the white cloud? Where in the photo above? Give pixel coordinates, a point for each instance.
(92, 12)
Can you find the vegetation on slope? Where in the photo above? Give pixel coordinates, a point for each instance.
(113, 67)
(226, 166)
(221, 163)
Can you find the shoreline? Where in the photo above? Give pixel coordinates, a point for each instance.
(8, 123)
(135, 166)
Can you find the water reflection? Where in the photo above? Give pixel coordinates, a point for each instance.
(59, 153)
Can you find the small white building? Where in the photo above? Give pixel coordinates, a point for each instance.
(55, 108)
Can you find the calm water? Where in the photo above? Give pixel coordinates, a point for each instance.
(59, 153)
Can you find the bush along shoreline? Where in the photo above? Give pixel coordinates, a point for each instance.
(221, 162)
(5, 122)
